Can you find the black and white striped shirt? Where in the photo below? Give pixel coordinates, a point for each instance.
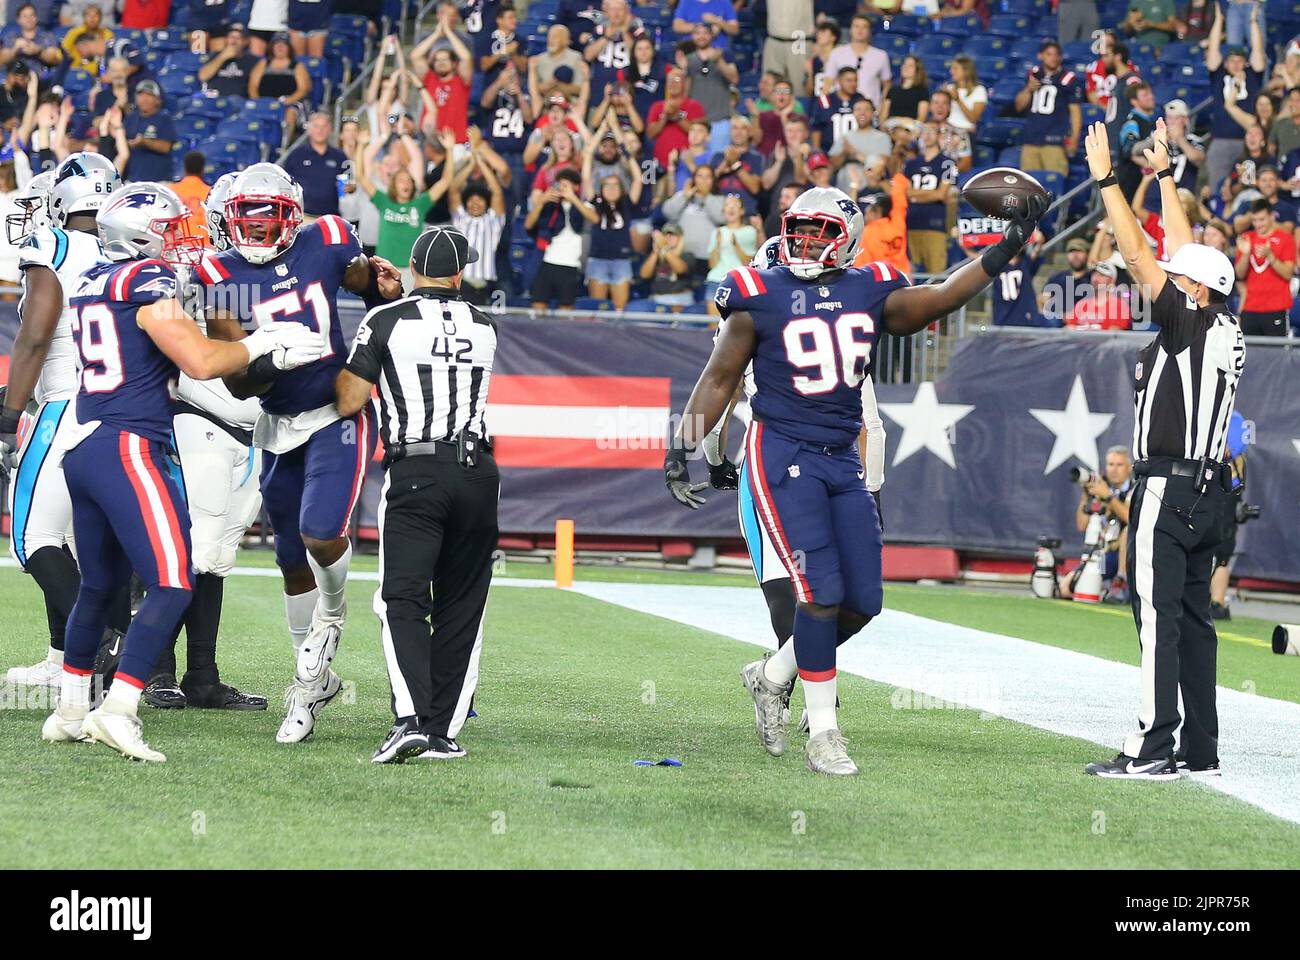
(431, 355)
(483, 234)
(1186, 379)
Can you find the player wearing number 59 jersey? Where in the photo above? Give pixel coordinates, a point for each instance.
(810, 329)
(127, 513)
(313, 460)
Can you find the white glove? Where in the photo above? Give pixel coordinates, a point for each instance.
(290, 345)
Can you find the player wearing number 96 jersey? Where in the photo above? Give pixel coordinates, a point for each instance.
(811, 328)
(313, 460)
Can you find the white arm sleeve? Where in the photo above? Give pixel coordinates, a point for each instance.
(713, 452)
(874, 456)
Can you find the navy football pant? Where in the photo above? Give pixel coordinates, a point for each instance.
(127, 514)
(816, 512)
(312, 490)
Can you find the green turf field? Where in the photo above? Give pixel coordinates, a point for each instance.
(574, 690)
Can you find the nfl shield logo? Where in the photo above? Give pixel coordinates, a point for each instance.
(793, 470)
(1137, 374)
(823, 291)
(281, 269)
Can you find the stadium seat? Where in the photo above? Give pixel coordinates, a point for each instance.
(1079, 51)
(1011, 25)
(985, 45)
(192, 127)
(935, 45)
(958, 26)
(1009, 157)
(593, 303)
(177, 85)
(1180, 53)
(646, 306)
(169, 41)
(1026, 47)
(906, 24)
(263, 108)
(891, 42)
(697, 309)
(1050, 179)
(1000, 132)
(1092, 114)
(77, 82)
(1027, 8)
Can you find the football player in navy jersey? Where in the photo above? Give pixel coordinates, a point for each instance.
(133, 336)
(313, 461)
(810, 329)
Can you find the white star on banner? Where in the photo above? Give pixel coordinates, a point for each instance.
(1297, 445)
(1076, 429)
(926, 424)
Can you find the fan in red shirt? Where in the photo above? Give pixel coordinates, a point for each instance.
(447, 75)
(670, 118)
(145, 14)
(1266, 261)
(1106, 308)
(1109, 73)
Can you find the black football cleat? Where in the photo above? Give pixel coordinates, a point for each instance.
(1132, 768)
(404, 741)
(164, 693)
(220, 696)
(1200, 770)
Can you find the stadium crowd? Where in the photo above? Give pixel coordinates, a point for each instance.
(629, 157)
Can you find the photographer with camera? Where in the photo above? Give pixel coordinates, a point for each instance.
(1102, 517)
(1241, 513)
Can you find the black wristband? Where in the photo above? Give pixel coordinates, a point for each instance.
(9, 420)
(1164, 174)
(263, 371)
(676, 451)
(1110, 180)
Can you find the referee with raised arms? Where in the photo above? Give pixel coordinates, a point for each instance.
(431, 354)
(1185, 383)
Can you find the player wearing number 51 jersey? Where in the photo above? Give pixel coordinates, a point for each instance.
(127, 513)
(313, 460)
(810, 329)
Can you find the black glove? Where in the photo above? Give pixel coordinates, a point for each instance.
(9, 420)
(880, 511)
(1019, 229)
(677, 475)
(724, 476)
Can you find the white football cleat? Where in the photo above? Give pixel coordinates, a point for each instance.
(828, 753)
(318, 651)
(121, 731)
(770, 711)
(64, 725)
(47, 673)
(304, 704)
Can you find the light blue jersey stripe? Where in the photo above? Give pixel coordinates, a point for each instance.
(749, 519)
(29, 469)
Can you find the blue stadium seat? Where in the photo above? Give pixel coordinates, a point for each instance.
(354, 24)
(936, 67)
(697, 308)
(193, 127)
(169, 41)
(1009, 157)
(646, 306)
(593, 303)
(1092, 114)
(905, 23)
(1050, 179)
(985, 157)
(935, 45)
(241, 130)
(77, 82)
(1005, 90)
(1011, 25)
(264, 108)
(177, 85)
(1026, 47)
(1180, 53)
(1027, 8)
(985, 45)
(891, 42)
(185, 60)
(1000, 132)
(1080, 51)
(958, 26)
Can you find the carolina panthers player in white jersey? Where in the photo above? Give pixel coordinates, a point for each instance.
(213, 433)
(30, 213)
(772, 576)
(44, 367)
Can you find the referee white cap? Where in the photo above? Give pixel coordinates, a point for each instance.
(441, 252)
(1203, 264)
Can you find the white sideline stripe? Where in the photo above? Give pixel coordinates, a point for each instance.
(1061, 691)
(577, 422)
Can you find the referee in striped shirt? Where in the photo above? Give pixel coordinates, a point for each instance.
(431, 355)
(1185, 383)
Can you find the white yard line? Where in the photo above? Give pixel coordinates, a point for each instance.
(1045, 687)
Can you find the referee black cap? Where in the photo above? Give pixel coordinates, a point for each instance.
(441, 252)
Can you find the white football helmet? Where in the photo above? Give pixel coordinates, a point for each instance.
(263, 212)
(821, 231)
(82, 184)
(768, 255)
(33, 211)
(214, 211)
(148, 220)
